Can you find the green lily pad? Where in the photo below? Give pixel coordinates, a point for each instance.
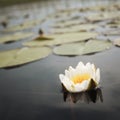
(94, 46)
(117, 42)
(112, 33)
(43, 37)
(114, 25)
(25, 25)
(18, 28)
(21, 56)
(15, 37)
(98, 8)
(63, 38)
(82, 48)
(75, 28)
(66, 23)
(102, 16)
(62, 13)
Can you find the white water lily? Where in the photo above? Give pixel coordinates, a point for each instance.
(82, 78)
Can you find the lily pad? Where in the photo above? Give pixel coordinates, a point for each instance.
(21, 56)
(15, 37)
(18, 28)
(39, 38)
(75, 28)
(112, 32)
(63, 38)
(117, 42)
(25, 25)
(114, 25)
(98, 8)
(102, 16)
(67, 23)
(82, 48)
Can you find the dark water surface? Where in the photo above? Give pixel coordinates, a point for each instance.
(33, 91)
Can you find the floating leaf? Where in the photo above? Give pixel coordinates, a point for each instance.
(62, 13)
(103, 8)
(98, 8)
(21, 56)
(117, 42)
(17, 28)
(75, 28)
(94, 46)
(25, 25)
(67, 23)
(102, 16)
(69, 49)
(114, 25)
(15, 37)
(112, 32)
(81, 48)
(40, 38)
(63, 38)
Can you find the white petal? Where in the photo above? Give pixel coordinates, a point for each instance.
(67, 74)
(88, 69)
(93, 67)
(81, 69)
(66, 85)
(91, 70)
(61, 76)
(85, 84)
(88, 64)
(80, 64)
(82, 86)
(71, 71)
(97, 76)
(69, 85)
(70, 68)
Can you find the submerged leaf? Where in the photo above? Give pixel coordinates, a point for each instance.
(21, 56)
(15, 37)
(63, 38)
(81, 48)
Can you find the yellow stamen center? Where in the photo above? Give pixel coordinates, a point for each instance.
(80, 78)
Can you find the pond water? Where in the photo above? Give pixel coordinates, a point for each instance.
(34, 91)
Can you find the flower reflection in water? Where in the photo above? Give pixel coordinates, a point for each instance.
(93, 95)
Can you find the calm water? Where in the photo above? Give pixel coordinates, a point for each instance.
(33, 91)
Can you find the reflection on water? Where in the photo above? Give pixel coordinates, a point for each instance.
(93, 95)
(31, 92)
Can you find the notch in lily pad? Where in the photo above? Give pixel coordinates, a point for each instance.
(81, 48)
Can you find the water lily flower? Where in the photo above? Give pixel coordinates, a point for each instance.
(82, 78)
